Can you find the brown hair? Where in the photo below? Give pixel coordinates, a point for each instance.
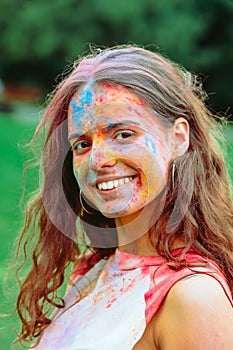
(203, 215)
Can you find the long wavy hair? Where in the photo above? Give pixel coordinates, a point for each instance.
(198, 205)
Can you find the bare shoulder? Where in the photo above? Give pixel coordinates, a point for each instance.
(201, 289)
(196, 314)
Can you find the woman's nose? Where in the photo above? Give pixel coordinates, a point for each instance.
(101, 156)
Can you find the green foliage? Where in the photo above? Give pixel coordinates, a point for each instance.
(43, 36)
(15, 132)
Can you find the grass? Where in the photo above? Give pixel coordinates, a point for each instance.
(15, 131)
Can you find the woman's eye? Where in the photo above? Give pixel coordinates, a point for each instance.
(124, 135)
(80, 146)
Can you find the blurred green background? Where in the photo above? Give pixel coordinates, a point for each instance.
(40, 39)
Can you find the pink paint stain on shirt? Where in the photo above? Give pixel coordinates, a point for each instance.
(125, 284)
(111, 302)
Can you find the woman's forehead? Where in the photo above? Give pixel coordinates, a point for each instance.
(96, 94)
(99, 105)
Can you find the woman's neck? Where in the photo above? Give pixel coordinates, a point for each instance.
(133, 233)
(141, 246)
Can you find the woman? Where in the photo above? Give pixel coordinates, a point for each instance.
(132, 171)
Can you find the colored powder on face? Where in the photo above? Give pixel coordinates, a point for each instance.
(85, 100)
(110, 125)
(94, 95)
(76, 112)
(150, 145)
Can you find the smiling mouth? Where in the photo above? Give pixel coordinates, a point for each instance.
(109, 185)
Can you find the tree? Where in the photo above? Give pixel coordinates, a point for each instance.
(42, 37)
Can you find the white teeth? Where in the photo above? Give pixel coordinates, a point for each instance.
(121, 182)
(114, 184)
(105, 185)
(110, 185)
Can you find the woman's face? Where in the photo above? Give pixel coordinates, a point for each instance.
(121, 152)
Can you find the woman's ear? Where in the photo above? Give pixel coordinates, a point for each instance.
(180, 136)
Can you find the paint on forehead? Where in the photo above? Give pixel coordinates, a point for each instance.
(99, 99)
(93, 95)
(79, 103)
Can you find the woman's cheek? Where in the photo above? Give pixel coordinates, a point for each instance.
(77, 170)
(150, 146)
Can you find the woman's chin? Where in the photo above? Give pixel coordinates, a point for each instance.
(126, 214)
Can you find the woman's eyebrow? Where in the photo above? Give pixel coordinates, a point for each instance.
(109, 127)
(120, 124)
